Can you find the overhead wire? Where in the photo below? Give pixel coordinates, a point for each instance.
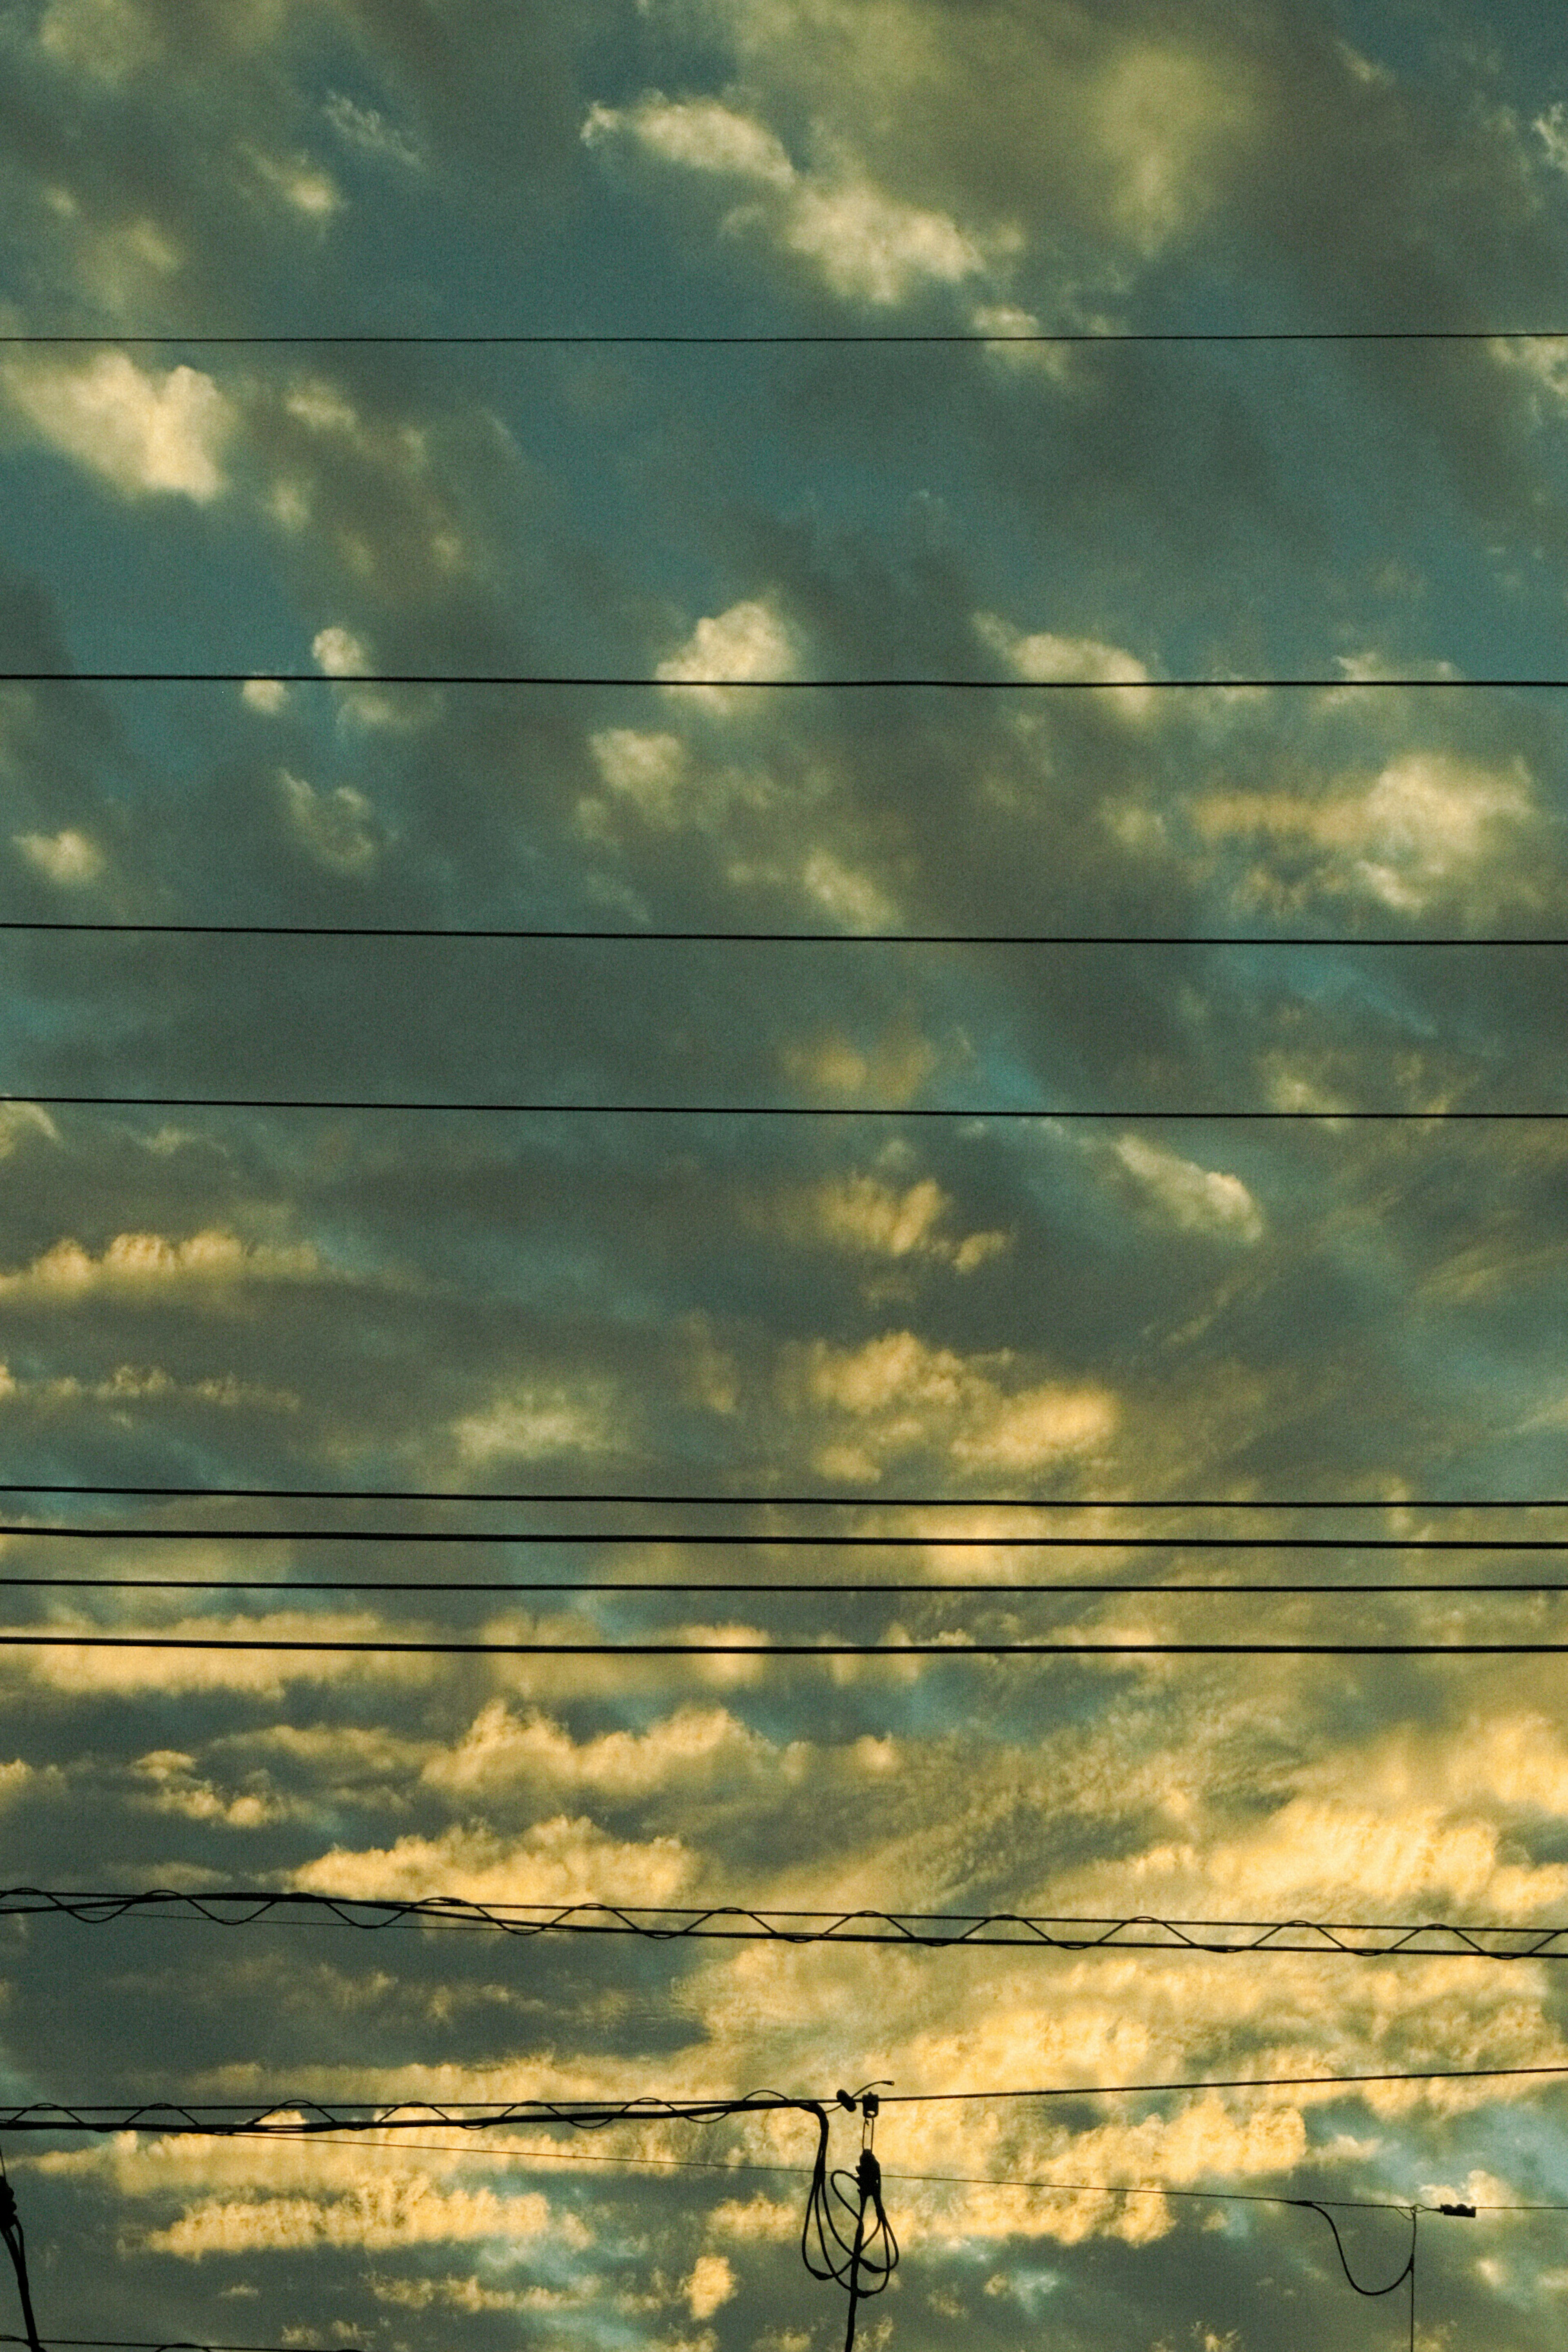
(309, 338)
(772, 1501)
(1424, 681)
(955, 1648)
(647, 936)
(922, 1930)
(982, 1113)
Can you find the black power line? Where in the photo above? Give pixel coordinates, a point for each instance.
(523, 338)
(789, 939)
(725, 1923)
(758, 1502)
(1133, 1115)
(303, 1586)
(1190, 685)
(954, 1649)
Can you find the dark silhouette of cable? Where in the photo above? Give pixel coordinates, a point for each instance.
(298, 2118)
(15, 2246)
(1189, 685)
(764, 1501)
(954, 1649)
(1133, 1115)
(793, 939)
(169, 2343)
(304, 1586)
(706, 1539)
(523, 338)
(725, 1923)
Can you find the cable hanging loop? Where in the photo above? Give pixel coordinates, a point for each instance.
(846, 2236)
(11, 2231)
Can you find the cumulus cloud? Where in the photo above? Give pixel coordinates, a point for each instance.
(896, 1394)
(145, 1266)
(337, 828)
(1195, 1200)
(563, 1860)
(865, 245)
(140, 431)
(69, 857)
(1426, 827)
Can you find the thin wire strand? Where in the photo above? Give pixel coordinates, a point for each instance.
(1133, 1115)
(954, 1649)
(522, 339)
(706, 1539)
(945, 1588)
(793, 939)
(805, 1502)
(1314, 682)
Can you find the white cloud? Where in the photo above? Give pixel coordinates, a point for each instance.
(538, 1418)
(267, 695)
(557, 1861)
(143, 1266)
(339, 828)
(896, 1393)
(749, 640)
(71, 858)
(340, 653)
(366, 129)
(1045, 657)
(863, 1215)
(699, 134)
(869, 248)
(402, 2209)
(1194, 1199)
(865, 245)
(19, 1122)
(1429, 824)
(711, 2284)
(141, 430)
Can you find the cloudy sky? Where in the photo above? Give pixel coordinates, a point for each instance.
(1145, 1305)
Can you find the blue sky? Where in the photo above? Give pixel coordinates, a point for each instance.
(1058, 1311)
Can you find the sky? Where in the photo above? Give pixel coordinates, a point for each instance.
(949, 1214)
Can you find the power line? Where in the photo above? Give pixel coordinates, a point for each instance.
(954, 1649)
(1194, 684)
(923, 1930)
(304, 1586)
(706, 1539)
(171, 2344)
(306, 339)
(298, 2119)
(1133, 1115)
(793, 939)
(861, 1502)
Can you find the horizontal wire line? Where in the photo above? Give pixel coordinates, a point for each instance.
(639, 679)
(731, 1923)
(806, 1502)
(851, 336)
(980, 1112)
(706, 1539)
(1224, 2082)
(302, 1586)
(204, 2120)
(792, 938)
(960, 1650)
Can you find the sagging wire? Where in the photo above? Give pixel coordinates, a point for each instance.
(863, 2261)
(1405, 2275)
(15, 2246)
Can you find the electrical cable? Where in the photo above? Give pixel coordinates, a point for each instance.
(1425, 682)
(303, 1587)
(863, 2262)
(344, 1645)
(920, 1930)
(308, 339)
(15, 2246)
(979, 1112)
(785, 1542)
(171, 2344)
(786, 939)
(808, 1502)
